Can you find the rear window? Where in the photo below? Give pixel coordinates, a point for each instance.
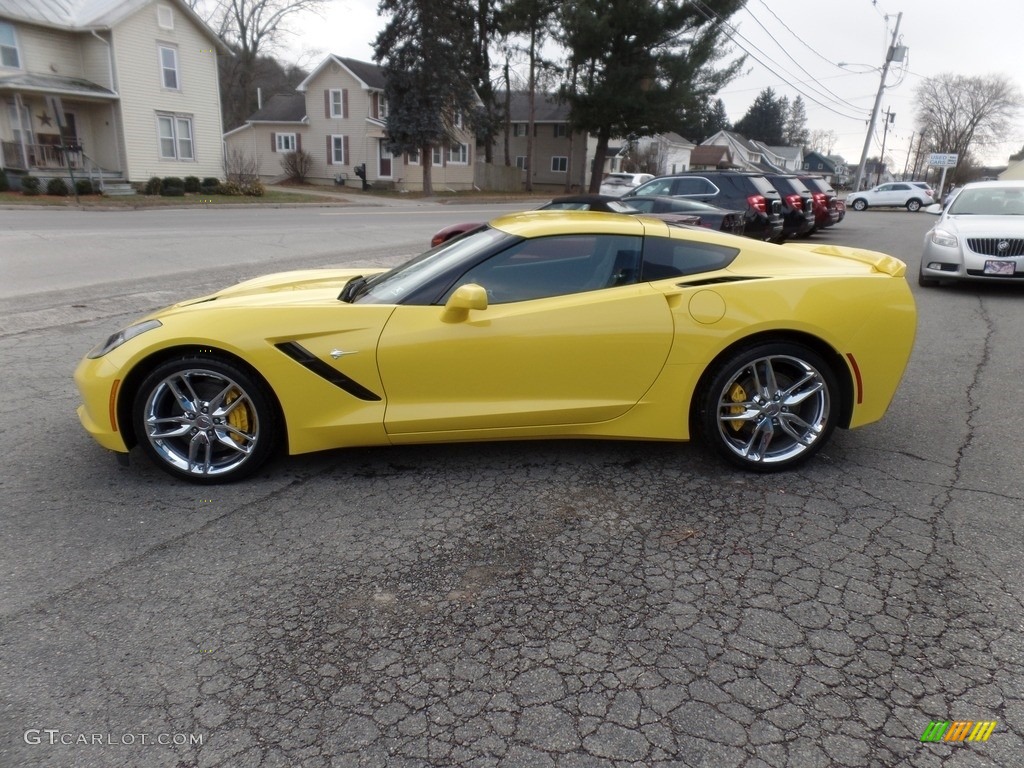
(763, 186)
(666, 258)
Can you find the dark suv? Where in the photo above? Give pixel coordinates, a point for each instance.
(747, 192)
(797, 204)
(828, 208)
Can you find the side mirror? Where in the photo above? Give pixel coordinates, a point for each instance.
(934, 208)
(464, 298)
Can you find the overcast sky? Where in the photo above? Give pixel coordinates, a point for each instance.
(795, 48)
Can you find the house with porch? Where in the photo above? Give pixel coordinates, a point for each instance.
(114, 90)
(338, 116)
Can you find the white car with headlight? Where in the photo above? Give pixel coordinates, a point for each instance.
(979, 236)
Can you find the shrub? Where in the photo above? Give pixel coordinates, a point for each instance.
(84, 187)
(169, 190)
(57, 187)
(254, 189)
(297, 165)
(231, 188)
(191, 183)
(30, 185)
(210, 181)
(152, 186)
(4, 183)
(172, 181)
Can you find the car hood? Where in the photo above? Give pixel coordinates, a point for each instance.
(985, 226)
(306, 286)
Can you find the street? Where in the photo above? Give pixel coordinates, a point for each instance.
(537, 604)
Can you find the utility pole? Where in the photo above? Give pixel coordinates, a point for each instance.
(878, 101)
(889, 118)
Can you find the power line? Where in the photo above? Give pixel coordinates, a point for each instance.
(732, 33)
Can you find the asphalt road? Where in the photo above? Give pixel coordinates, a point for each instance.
(560, 604)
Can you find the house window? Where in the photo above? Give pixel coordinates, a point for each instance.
(22, 128)
(559, 164)
(436, 156)
(521, 162)
(175, 134)
(9, 56)
(458, 154)
(165, 16)
(382, 107)
(169, 67)
(457, 122)
(561, 131)
(337, 105)
(285, 142)
(413, 157)
(519, 129)
(338, 150)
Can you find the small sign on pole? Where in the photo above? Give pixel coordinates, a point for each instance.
(943, 161)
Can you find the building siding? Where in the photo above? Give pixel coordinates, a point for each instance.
(136, 41)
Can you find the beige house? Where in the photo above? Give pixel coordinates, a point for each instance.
(560, 158)
(124, 87)
(338, 116)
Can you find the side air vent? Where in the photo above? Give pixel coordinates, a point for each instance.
(307, 359)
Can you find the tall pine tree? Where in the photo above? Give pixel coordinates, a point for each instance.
(641, 66)
(423, 51)
(796, 133)
(766, 119)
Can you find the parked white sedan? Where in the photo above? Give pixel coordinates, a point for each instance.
(979, 236)
(895, 194)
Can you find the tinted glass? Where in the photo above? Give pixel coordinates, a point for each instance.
(694, 185)
(556, 266)
(655, 187)
(665, 258)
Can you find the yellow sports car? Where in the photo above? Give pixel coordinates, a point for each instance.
(539, 325)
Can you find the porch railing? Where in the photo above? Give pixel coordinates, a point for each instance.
(41, 156)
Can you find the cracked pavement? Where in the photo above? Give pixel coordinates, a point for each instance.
(561, 604)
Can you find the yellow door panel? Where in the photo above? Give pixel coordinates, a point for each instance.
(577, 359)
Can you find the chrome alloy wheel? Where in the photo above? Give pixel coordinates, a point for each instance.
(773, 409)
(201, 422)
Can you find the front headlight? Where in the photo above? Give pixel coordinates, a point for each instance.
(119, 338)
(942, 237)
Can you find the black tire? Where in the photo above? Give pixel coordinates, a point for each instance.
(926, 282)
(860, 204)
(204, 419)
(784, 401)
(914, 205)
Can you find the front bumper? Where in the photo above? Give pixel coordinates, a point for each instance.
(98, 382)
(941, 262)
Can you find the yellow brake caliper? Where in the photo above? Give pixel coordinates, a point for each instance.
(738, 395)
(238, 417)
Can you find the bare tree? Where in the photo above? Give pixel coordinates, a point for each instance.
(252, 29)
(960, 113)
(822, 141)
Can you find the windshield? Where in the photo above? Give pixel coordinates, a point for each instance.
(391, 287)
(988, 201)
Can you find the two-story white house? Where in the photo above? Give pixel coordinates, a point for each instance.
(338, 115)
(127, 86)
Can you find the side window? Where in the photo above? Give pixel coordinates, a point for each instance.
(656, 187)
(556, 266)
(694, 185)
(666, 257)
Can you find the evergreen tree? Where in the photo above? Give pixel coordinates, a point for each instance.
(423, 51)
(717, 119)
(641, 66)
(765, 120)
(796, 133)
